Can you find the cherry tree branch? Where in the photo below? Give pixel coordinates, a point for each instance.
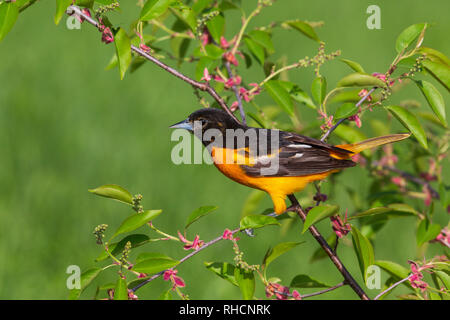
(187, 257)
(391, 287)
(343, 283)
(203, 86)
(236, 92)
(333, 256)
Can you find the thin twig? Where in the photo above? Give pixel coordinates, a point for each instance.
(343, 119)
(236, 92)
(190, 255)
(323, 243)
(391, 287)
(27, 5)
(303, 296)
(199, 85)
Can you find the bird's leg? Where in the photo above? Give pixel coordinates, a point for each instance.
(274, 214)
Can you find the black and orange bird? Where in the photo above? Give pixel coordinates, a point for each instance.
(277, 162)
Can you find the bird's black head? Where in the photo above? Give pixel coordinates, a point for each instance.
(202, 120)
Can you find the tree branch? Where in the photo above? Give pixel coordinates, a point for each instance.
(343, 283)
(236, 92)
(190, 255)
(196, 84)
(323, 243)
(391, 287)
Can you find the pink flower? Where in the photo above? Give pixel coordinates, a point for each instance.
(320, 197)
(341, 228)
(205, 38)
(176, 281)
(281, 292)
(363, 93)
(224, 43)
(356, 119)
(107, 36)
(443, 237)
(415, 279)
(206, 76)
(230, 57)
(296, 295)
(382, 77)
(247, 95)
(132, 295)
(399, 181)
(196, 244)
(234, 106)
(228, 235)
(142, 275)
(145, 48)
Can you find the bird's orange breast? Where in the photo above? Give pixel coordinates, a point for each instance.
(277, 187)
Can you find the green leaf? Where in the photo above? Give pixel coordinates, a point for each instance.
(445, 278)
(263, 38)
(186, 15)
(224, 270)
(280, 96)
(301, 96)
(216, 27)
(277, 251)
(256, 49)
(407, 37)
(434, 99)
(394, 269)
(154, 8)
(305, 281)
(317, 214)
(214, 52)
(154, 265)
(253, 221)
(304, 28)
(346, 110)
(151, 255)
(8, 17)
(198, 213)
(85, 3)
(246, 282)
(354, 65)
(370, 212)
(114, 192)
(441, 72)
(435, 55)
(427, 232)
(360, 80)
(85, 280)
(319, 89)
(410, 122)
(121, 290)
(364, 251)
(61, 6)
(123, 51)
(116, 248)
(137, 220)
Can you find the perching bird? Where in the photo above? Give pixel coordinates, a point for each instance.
(277, 162)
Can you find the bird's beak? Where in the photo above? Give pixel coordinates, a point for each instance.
(185, 124)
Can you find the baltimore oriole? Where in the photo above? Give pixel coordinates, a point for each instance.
(299, 159)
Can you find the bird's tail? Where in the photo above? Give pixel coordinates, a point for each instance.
(355, 148)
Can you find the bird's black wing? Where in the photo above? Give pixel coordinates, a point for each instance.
(297, 155)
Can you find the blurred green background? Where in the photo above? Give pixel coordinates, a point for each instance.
(67, 125)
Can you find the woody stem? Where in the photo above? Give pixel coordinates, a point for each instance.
(333, 256)
(199, 85)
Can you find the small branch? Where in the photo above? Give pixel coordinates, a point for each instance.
(190, 255)
(343, 283)
(199, 85)
(236, 92)
(323, 243)
(27, 5)
(391, 287)
(325, 136)
(411, 178)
